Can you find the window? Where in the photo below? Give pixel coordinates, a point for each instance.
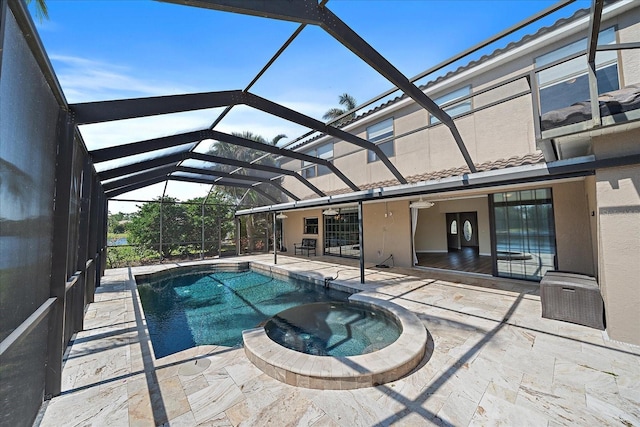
(455, 109)
(380, 132)
(454, 227)
(310, 226)
(325, 152)
(568, 83)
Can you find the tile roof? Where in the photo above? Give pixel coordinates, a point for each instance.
(528, 159)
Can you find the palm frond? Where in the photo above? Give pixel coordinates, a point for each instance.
(41, 9)
(348, 101)
(277, 138)
(333, 113)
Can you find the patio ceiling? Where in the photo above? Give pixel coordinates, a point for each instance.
(131, 166)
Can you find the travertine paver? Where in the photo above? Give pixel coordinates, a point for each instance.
(491, 359)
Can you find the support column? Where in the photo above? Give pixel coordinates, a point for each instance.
(361, 241)
(275, 246)
(238, 250)
(56, 344)
(596, 15)
(219, 237)
(160, 245)
(202, 247)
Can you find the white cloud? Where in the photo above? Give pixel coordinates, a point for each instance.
(119, 132)
(84, 79)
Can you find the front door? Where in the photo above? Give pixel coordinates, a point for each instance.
(468, 225)
(453, 232)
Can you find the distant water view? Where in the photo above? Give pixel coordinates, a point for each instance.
(119, 241)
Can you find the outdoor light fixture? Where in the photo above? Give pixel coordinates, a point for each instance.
(281, 216)
(330, 212)
(421, 204)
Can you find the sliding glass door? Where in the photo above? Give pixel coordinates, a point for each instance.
(341, 234)
(525, 241)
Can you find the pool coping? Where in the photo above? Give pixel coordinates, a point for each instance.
(348, 372)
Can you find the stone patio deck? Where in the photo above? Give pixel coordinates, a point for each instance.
(492, 360)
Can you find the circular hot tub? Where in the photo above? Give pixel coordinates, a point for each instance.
(333, 329)
(318, 346)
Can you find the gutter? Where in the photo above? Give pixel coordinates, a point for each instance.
(575, 167)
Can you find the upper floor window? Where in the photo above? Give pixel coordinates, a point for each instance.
(455, 109)
(381, 132)
(568, 82)
(309, 170)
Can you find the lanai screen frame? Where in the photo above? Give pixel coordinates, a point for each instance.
(305, 12)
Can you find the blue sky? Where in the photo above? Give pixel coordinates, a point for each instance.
(113, 49)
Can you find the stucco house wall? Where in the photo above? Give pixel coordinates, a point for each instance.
(387, 231)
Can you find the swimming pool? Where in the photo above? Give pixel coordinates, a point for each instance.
(213, 308)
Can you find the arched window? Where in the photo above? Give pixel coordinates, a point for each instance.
(454, 227)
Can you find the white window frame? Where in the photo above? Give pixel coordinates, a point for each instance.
(312, 170)
(576, 67)
(455, 109)
(379, 133)
(305, 225)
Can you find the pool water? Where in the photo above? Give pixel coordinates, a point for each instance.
(214, 308)
(333, 329)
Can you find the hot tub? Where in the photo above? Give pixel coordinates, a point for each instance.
(373, 367)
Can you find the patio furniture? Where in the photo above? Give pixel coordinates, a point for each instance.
(308, 245)
(572, 297)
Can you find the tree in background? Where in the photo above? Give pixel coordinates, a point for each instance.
(181, 225)
(349, 103)
(144, 230)
(212, 213)
(117, 223)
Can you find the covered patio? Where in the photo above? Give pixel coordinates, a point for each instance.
(465, 259)
(497, 361)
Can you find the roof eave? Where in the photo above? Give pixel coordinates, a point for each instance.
(518, 174)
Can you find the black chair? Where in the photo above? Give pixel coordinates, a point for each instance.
(308, 245)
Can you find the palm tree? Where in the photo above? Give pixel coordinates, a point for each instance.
(244, 154)
(41, 9)
(349, 103)
(231, 151)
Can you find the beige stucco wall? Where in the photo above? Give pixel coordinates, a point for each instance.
(573, 228)
(431, 231)
(592, 208)
(294, 226)
(387, 231)
(629, 32)
(618, 193)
